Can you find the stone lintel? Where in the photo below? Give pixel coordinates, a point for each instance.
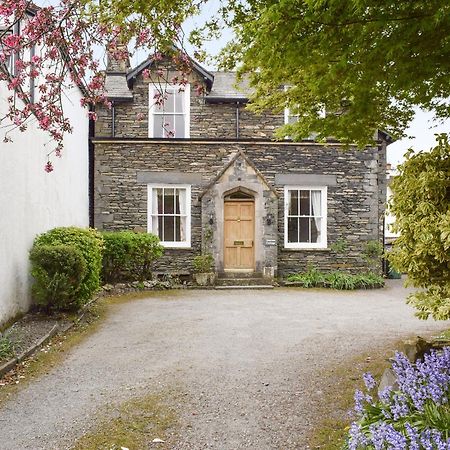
(169, 177)
(305, 179)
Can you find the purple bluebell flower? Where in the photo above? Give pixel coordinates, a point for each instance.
(381, 424)
(369, 381)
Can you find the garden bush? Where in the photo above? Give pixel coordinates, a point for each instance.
(90, 243)
(58, 272)
(337, 280)
(129, 256)
(203, 263)
(416, 416)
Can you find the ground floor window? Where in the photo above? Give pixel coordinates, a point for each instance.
(305, 216)
(169, 214)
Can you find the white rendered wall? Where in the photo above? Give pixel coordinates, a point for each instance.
(33, 201)
(390, 219)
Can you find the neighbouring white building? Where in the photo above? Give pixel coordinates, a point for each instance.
(389, 235)
(33, 201)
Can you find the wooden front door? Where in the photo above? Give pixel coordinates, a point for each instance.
(239, 233)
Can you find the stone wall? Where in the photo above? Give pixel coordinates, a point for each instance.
(355, 211)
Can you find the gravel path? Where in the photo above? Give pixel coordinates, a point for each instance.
(248, 362)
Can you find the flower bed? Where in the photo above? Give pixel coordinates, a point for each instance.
(412, 415)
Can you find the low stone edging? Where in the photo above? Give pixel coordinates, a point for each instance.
(9, 365)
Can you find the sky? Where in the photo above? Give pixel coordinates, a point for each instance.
(421, 131)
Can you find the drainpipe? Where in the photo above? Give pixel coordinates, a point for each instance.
(237, 120)
(91, 168)
(113, 119)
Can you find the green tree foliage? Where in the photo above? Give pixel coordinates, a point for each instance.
(366, 63)
(421, 205)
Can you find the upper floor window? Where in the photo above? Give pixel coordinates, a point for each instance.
(289, 118)
(169, 214)
(169, 116)
(305, 217)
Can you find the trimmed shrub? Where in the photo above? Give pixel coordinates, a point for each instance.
(129, 256)
(203, 263)
(90, 243)
(58, 271)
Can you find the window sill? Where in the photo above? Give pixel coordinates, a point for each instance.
(176, 248)
(326, 250)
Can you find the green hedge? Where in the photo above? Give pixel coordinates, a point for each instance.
(58, 271)
(129, 256)
(89, 243)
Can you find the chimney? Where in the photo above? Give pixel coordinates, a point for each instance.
(117, 66)
(119, 63)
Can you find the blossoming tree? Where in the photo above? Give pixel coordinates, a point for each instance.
(43, 49)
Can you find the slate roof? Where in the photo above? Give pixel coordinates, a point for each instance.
(116, 87)
(224, 88)
(205, 74)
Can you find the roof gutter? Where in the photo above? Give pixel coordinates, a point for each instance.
(223, 99)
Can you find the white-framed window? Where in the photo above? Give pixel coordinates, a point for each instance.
(170, 117)
(305, 217)
(169, 214)
(292, 118)
(289, 118)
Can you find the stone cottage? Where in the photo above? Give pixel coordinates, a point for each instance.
(205, 175)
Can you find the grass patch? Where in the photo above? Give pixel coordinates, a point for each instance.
(330, 432)
(133, 425)
(6, 347)
(444, 336)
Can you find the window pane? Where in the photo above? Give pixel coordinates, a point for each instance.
(292, 229)
(304, 229)
(179, 127)
(315, 230)
(169, 102)
(177, 201)
(158, 121)
(304, 203)
(160, 200)
(293, 202)
(183, 221)
(157, 106)
(177, 229)
(156, 200)
(169, 223)
(168, 201)
(316, 203)
(179, 102)
(292, 119)
(160, 228)
(168, 125)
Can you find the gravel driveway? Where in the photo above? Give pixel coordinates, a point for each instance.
(249, 363)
